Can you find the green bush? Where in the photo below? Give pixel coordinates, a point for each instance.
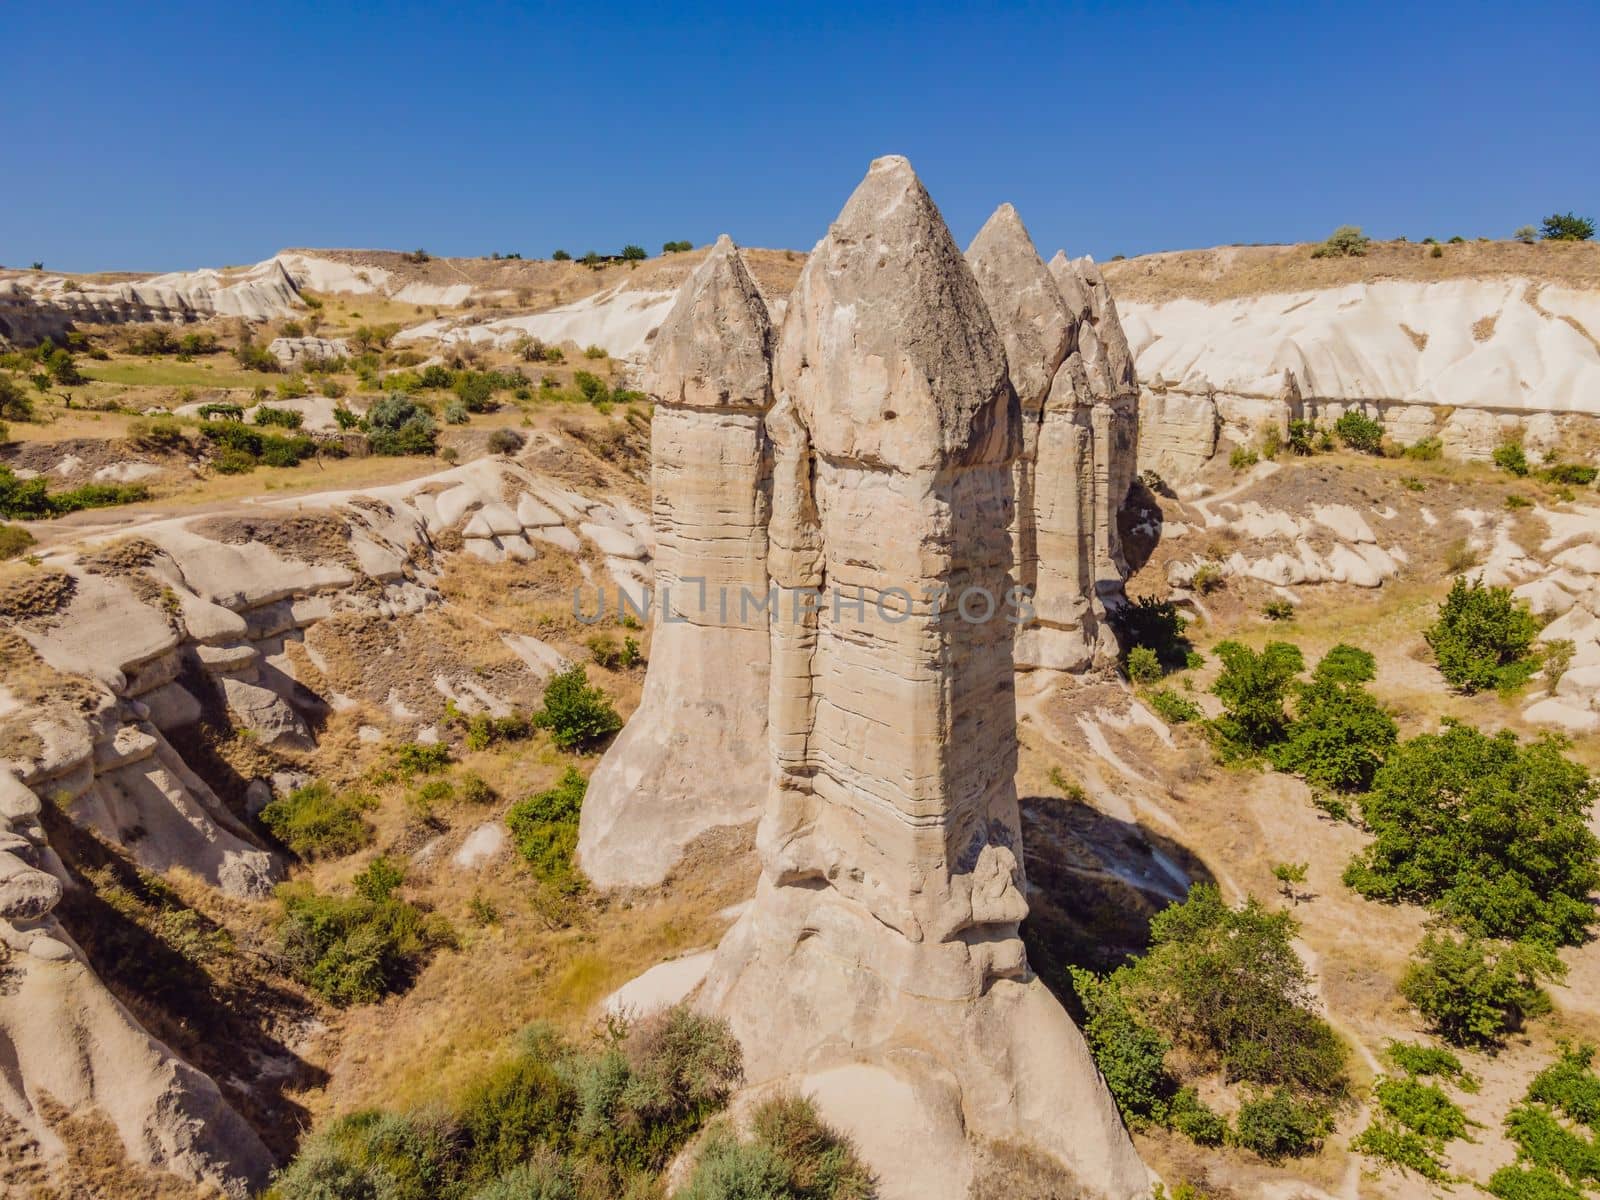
(475, 390)
(1511, 458)
(632, 253)
(416, 758)
(288, 418)
(506, 441)
(1143, 665)
(28, 499)
(544, 828)
(1130, 1055)
(1570, 1084)
(1483, 638)
(398, 425)
(241, 448)
(14, 402)
(1173, 708)
(544, 1176)
(1570, 474)
(1472, 991)
(314, 822)
(355, 949)
(1252, 688)
(1278, 610)
(676, 247)
(1278, 1125)
(1485, 830)
(1242, 458)
(1416, 1059)
(1559, 227)
(1347, 241)
(1156, 625)
(455, 413)
(578, 716)
(794, 1155)
(1517, 1183)
(1359, 432)
(1429, 449)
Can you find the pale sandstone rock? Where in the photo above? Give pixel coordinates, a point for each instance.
(1063, 526)
(693, 756)
(884, 930)
(306, 351)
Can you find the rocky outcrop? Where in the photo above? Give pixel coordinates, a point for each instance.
(70, 1042)
(1472, 361)
(1073, 375)
(883, 940)
(692, 757)
(307, 352)
(34, 305)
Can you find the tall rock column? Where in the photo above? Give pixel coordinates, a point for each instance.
(694, 756)
(1073, 373)
(882, 947)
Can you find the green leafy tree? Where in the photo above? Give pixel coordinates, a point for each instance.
(1483, 637)
(1473, 991)
(15, 405)
(398, 425)
(632, 253)
(1252, 688)
(1156, 625)
(1559, 227)
(1489, 832)
(1340, 734)
(561, 256)
(578, 716)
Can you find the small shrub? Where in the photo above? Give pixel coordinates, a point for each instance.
(287, 418)
(398, 425)
(1157, 625)
(1278, 610)
(505, 441)
(13, 541)
(355, 949)
(1243, 458)
(1277, 1126)
(455, 413)
(411, 759)
(1208, 577)
(475, 789)
(1302, 437)
(1359, 432)
(315, 822)
(1571, 474)
(544, 828)
(1511, 458)
(1143, 665)
(1347, 241)
(1173, 708)
(1429, 449)
(1515, 501)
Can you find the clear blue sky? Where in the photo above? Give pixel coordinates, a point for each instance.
(166, 136)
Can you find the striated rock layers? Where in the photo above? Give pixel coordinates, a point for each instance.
(693, 757)
(882, 947)
(1073, 374)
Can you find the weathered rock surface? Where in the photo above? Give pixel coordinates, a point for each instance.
(884, 930)
(693, 757)
(307, 351)
(1073, 374)
(1472, 361)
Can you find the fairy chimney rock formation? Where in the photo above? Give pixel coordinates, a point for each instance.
(1073, 373)
(693, 757)
(883, 940)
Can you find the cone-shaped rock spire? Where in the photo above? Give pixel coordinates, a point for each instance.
(693, 757)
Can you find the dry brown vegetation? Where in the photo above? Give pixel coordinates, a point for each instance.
(1231, 272)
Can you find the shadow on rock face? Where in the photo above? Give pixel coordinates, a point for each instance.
(1094, 883)
(187, 983)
